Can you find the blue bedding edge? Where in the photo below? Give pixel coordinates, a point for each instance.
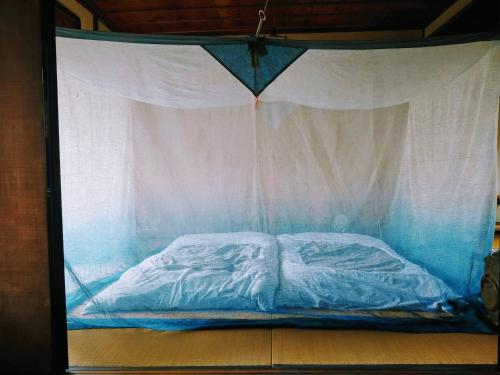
(465, 322)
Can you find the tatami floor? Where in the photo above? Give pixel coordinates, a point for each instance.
(139, 348)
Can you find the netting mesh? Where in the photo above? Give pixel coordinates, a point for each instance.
(160, 142)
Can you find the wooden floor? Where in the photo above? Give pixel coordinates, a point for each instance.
(138, 348)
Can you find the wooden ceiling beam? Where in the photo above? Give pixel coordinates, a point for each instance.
(359, 35)
(341, 7)
(95, 10)
(229, 13)
(224, 16)
(313, 34)
(450, 13)
(414, 20)
(248, 28)
(111, 6)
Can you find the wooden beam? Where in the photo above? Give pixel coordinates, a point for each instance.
(296, 24)
(358, 35)
(102, 27)
(80, 11)
(381, 18)
(451, 12)
(90, 5)
(121, 6)
(315, 35)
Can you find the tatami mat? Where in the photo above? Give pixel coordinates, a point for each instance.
(281, 346)
(143, 348)
(343, 347)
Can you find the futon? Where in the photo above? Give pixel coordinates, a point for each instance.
(341, 271)
(223, 271)
(250, 278)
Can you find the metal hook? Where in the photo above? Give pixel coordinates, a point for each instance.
(262, 18)
(262, 15)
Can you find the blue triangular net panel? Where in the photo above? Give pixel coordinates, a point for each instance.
(255, 64)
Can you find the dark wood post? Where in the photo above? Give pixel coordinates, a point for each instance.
(32, 325)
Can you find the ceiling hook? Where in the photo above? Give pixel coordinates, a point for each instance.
(262, 18)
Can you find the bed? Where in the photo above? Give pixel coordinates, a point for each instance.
(250, 278)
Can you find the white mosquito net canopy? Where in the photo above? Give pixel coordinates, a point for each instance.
(160, 141)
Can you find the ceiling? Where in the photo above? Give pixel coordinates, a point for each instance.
(240, 17)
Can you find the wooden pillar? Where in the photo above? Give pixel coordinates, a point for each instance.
(27, 340)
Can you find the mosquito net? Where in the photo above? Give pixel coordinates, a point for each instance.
(217, 181)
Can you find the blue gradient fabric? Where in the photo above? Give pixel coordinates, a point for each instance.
(160, 142)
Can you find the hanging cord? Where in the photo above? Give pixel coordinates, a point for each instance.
(257, 102)
(255, 54)
(262, 18)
